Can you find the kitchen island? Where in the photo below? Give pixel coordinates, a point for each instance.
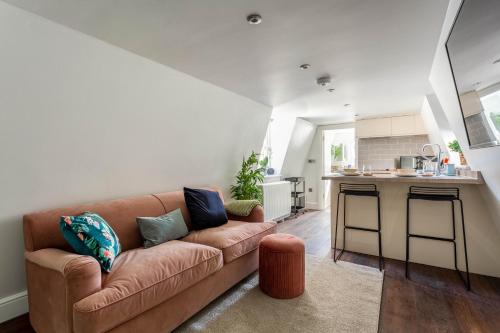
(427, 217)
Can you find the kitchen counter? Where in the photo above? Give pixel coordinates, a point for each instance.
(427, 217)
(476, 179)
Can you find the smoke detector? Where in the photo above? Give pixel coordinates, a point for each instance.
(254, 19)
(323, 81)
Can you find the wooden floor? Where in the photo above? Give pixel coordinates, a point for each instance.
(433, 300)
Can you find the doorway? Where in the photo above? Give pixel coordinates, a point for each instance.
(339, 151)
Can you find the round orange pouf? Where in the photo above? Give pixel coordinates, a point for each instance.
(282, 266)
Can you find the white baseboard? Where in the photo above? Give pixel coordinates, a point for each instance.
(312, 205)
(13, 306)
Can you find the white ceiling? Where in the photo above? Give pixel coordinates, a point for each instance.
(378, 52)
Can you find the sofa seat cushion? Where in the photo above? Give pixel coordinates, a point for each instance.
(234, 238)
(143, 278)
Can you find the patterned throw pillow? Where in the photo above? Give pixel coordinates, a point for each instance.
(89, 234)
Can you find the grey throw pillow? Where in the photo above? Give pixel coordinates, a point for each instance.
(161, 229)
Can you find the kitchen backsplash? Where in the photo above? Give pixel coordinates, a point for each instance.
(384, 153)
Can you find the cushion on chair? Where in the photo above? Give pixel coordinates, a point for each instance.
(235, 238)
(144, 278)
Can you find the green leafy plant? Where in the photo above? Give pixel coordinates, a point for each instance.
(249, 178)
(337, 152)
(454, 146)
(264, 162)
(495, 119)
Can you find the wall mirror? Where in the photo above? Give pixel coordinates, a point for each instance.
(473, 48)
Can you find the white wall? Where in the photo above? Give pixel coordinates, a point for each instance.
(487, 160)
(437, 126)
(298, 148)
(430, 124)
(281, 129)
(82, 120)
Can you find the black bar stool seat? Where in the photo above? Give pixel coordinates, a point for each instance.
(450, 194)
(363, 190)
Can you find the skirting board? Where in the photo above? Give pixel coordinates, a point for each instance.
(312, 205)
(13, 306)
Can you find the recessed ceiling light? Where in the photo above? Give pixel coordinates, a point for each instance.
(331, 90)
(254, 19)
(323, 81)
(347, 104)
(305, 66)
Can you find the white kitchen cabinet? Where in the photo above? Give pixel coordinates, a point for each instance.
(390, 126)
(419, 125)
(403, 125)
(377, 127)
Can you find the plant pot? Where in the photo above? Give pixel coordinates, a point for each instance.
(463, 161)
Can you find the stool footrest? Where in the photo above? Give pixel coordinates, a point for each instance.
(361, 229)
(432, 237)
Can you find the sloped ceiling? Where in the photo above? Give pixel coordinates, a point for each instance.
(378, 53)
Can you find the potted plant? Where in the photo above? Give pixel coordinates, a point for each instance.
(337, 157)
(249, 178)
(455, 146)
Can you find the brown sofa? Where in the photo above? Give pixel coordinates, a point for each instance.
(147, 290)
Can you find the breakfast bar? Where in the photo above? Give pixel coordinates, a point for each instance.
(428, 218)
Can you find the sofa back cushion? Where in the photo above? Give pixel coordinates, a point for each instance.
(41, 229)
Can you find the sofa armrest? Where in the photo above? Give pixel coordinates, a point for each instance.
(63, 262)
(56, 280)
(256, 215)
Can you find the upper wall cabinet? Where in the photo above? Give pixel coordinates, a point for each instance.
(419, 125)
(403, 125)
(376, 127)
(390, 126)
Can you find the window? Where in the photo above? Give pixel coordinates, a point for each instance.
(491, 105)
(339, 149)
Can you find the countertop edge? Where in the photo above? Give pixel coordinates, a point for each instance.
(396, 179)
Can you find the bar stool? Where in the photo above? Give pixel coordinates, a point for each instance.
(450, 194)
(364, 190)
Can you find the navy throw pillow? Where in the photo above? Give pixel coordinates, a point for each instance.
(205, 207)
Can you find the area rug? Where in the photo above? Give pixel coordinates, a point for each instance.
(339, 297)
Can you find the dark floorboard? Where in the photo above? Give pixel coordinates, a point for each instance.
(432, 300)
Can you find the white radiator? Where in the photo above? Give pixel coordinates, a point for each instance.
(277, 200)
